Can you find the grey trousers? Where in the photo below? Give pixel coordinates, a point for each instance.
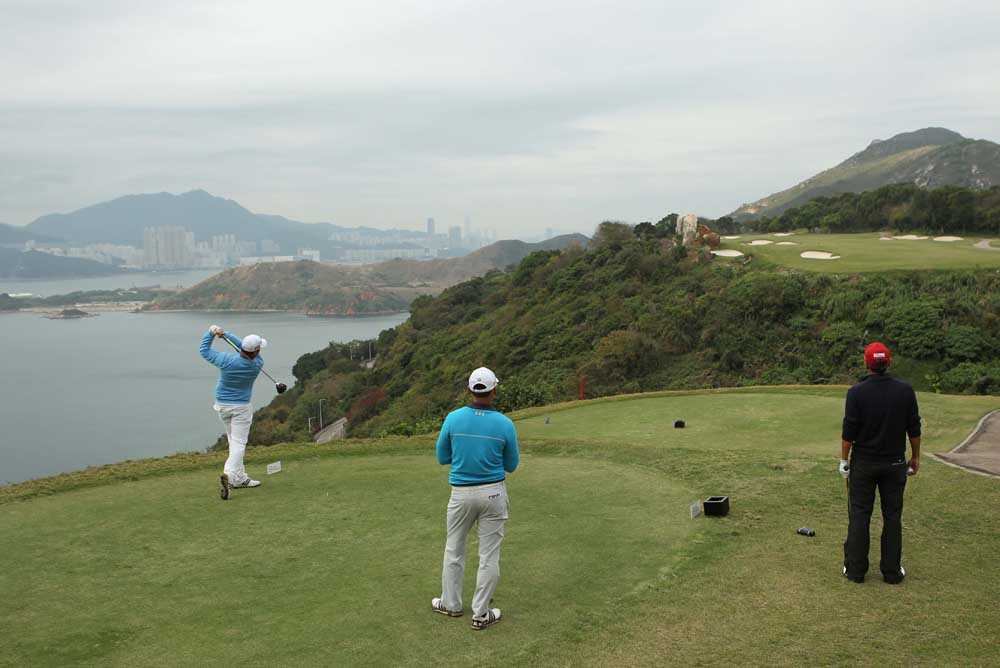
(487, 506)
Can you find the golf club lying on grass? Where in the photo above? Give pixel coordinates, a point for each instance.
(279, 387)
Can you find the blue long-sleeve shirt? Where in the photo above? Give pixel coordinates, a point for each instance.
(236, 373)
(480, 443)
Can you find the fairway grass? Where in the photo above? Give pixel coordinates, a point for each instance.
(864, 252)
(334, 560)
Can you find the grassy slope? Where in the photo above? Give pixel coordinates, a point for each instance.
(865, 253)
(333, 561)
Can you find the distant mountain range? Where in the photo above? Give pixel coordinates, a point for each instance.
(33, 264)
(323, 289)
(123, 220)
(929, 158)
(11, 235)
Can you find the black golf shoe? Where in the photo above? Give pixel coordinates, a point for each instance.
(895, 579)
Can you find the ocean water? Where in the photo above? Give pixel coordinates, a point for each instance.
(45, 287)
(120, 386)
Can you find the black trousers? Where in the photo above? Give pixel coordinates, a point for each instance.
(890, 480)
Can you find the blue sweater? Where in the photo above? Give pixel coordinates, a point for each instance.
(236, 373)
(479, 443)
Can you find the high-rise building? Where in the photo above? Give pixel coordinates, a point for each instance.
(455, 237)
(430, 227)
(167, 246)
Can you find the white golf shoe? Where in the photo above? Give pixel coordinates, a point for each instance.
(246, 482)
(491, 617)
(438, 606)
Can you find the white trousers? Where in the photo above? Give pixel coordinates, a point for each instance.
(487, 506)
(237, 418)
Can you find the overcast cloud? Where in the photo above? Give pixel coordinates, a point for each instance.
(522, 115)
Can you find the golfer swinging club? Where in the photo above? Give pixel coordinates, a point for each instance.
(879, 414)
(237, 374)
(480, 444)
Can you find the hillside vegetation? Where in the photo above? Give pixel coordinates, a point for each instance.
(325, 289)
(927, 158)
(902, 207)
(636, 314)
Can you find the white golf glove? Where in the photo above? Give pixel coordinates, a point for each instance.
(215, 329)
(845, 468)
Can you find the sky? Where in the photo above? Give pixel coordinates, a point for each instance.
(521, 115)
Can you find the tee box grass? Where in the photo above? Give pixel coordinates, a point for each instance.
(334, 560)
(864, 252)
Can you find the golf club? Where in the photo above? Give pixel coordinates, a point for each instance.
(279, 387)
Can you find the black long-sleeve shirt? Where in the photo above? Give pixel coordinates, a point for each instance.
(880, 411)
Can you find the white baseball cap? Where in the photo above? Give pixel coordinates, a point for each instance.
(252, 343)
(483, 380)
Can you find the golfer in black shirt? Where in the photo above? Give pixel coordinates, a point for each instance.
(879, 414)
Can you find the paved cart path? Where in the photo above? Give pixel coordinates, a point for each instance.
(980, 451)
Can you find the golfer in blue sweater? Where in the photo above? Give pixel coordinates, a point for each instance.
(480, 444)
(237, 374)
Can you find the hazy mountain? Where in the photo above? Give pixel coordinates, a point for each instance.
(34, 264)
(348, 290)
(16, 236)
(929, 158)
(123, 220)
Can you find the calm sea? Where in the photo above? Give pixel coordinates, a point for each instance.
(63, 286)
(126, 386)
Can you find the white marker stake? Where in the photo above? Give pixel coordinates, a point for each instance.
(695, 509)
(274, 468)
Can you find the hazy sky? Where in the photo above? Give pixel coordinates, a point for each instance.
(522, 115)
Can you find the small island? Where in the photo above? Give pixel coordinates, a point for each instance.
(70, 314)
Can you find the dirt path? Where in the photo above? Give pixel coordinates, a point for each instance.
(980, 451)
(985, 243)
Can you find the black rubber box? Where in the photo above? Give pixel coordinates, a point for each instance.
(717, 506)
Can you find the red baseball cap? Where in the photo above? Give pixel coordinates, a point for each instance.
(877, 355)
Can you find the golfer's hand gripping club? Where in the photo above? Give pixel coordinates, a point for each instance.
(845, 469)
(278, 387)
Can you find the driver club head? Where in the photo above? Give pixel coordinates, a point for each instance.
(280, 387)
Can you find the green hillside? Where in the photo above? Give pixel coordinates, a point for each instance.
(333, 561)
(636, 314)
(948, 210)
(928, 158)
(325, 289)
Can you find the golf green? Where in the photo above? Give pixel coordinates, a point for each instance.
(864, 252)
(334, 560)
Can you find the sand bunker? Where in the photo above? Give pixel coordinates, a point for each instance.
(760, 242)
(727, 253)
(787, 243)
(819, 255)
(735, 237)
(910, 237)
(783, 234)
(885, 238)
(947, 238)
